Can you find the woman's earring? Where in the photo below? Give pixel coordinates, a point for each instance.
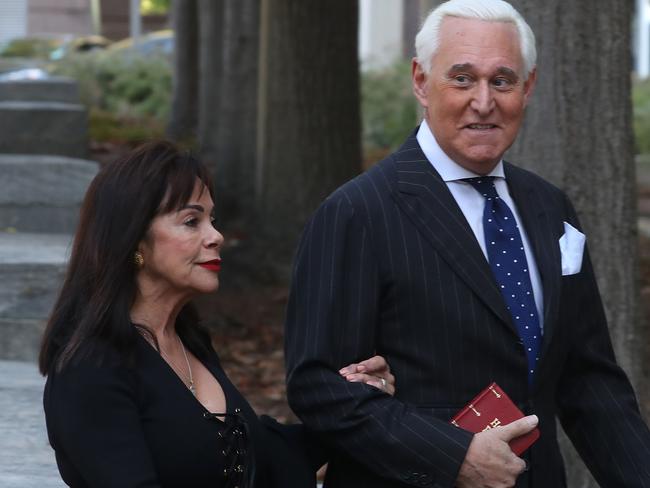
(138, 259)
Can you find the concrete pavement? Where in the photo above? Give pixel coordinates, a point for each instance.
(26, 458)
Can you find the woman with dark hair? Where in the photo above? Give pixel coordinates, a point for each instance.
(135, 395)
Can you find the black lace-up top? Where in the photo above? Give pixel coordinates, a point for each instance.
(119, 426)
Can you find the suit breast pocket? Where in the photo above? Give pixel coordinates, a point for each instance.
(571, 284)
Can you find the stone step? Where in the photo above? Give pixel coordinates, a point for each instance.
(28, 127)
(43, 193)
(32, 269)
(52, 89)
(21, 339)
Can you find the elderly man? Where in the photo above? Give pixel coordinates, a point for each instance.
(461, 269)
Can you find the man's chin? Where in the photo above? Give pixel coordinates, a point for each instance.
(480, 164)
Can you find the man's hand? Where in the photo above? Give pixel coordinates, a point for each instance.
(489, 462)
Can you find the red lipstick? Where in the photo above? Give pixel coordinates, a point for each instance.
(214, 265)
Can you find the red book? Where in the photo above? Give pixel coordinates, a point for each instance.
(493, 408)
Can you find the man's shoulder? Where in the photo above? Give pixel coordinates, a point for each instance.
(377, 182)
(517, 173)
(368, 193)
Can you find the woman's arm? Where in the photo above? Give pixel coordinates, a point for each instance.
(374, 372)
(94, 426)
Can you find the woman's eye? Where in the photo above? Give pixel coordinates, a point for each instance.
(191, 222)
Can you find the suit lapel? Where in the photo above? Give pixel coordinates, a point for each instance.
(539, 225)
(424, 197)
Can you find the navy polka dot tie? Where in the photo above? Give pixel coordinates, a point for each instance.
(507, 258)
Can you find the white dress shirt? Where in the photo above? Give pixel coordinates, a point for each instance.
(472, 203)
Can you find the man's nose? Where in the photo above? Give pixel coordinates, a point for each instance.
(482, 99)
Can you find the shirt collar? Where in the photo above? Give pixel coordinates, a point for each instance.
(443, 164)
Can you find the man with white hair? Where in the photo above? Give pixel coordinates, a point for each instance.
(462, 270)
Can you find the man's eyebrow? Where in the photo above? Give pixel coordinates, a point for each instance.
(460, 67)
(501, 70)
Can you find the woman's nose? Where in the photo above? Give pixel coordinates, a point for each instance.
(215, 238)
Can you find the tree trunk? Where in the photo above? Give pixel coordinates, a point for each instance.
(411, 21)
(414, 13)
(427, 6)
(185, 21)
(309, 117)
(578, 135)
(236, 134)
(211, 14)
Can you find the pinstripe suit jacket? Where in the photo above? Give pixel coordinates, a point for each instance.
(388, 264)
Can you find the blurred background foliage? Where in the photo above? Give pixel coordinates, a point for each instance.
(154, 7)
(641, 105)
(128, 96)
(389, 111)
(29, 47)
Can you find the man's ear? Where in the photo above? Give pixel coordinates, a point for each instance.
(419, 79)
(529, 85)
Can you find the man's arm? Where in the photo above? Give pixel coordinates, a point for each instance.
(333, 317)
(597, 405)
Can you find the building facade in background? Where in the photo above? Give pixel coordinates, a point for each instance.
(642, 39)
(13, 20)
(387, 30)
(58, 18)
(386, 27)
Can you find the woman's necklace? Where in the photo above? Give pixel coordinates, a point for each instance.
(189, 368)
(190, 378)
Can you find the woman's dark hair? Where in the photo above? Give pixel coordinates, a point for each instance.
(100, 286)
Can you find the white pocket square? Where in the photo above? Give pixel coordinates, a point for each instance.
(572, 245)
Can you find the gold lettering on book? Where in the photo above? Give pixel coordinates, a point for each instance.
(478, 414)
(496, 393)
(495, 423)
(455, 423)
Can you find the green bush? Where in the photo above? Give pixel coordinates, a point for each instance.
(389, 110)
(29, 47)
(154, 7)
(117, 87)
(106, 127)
